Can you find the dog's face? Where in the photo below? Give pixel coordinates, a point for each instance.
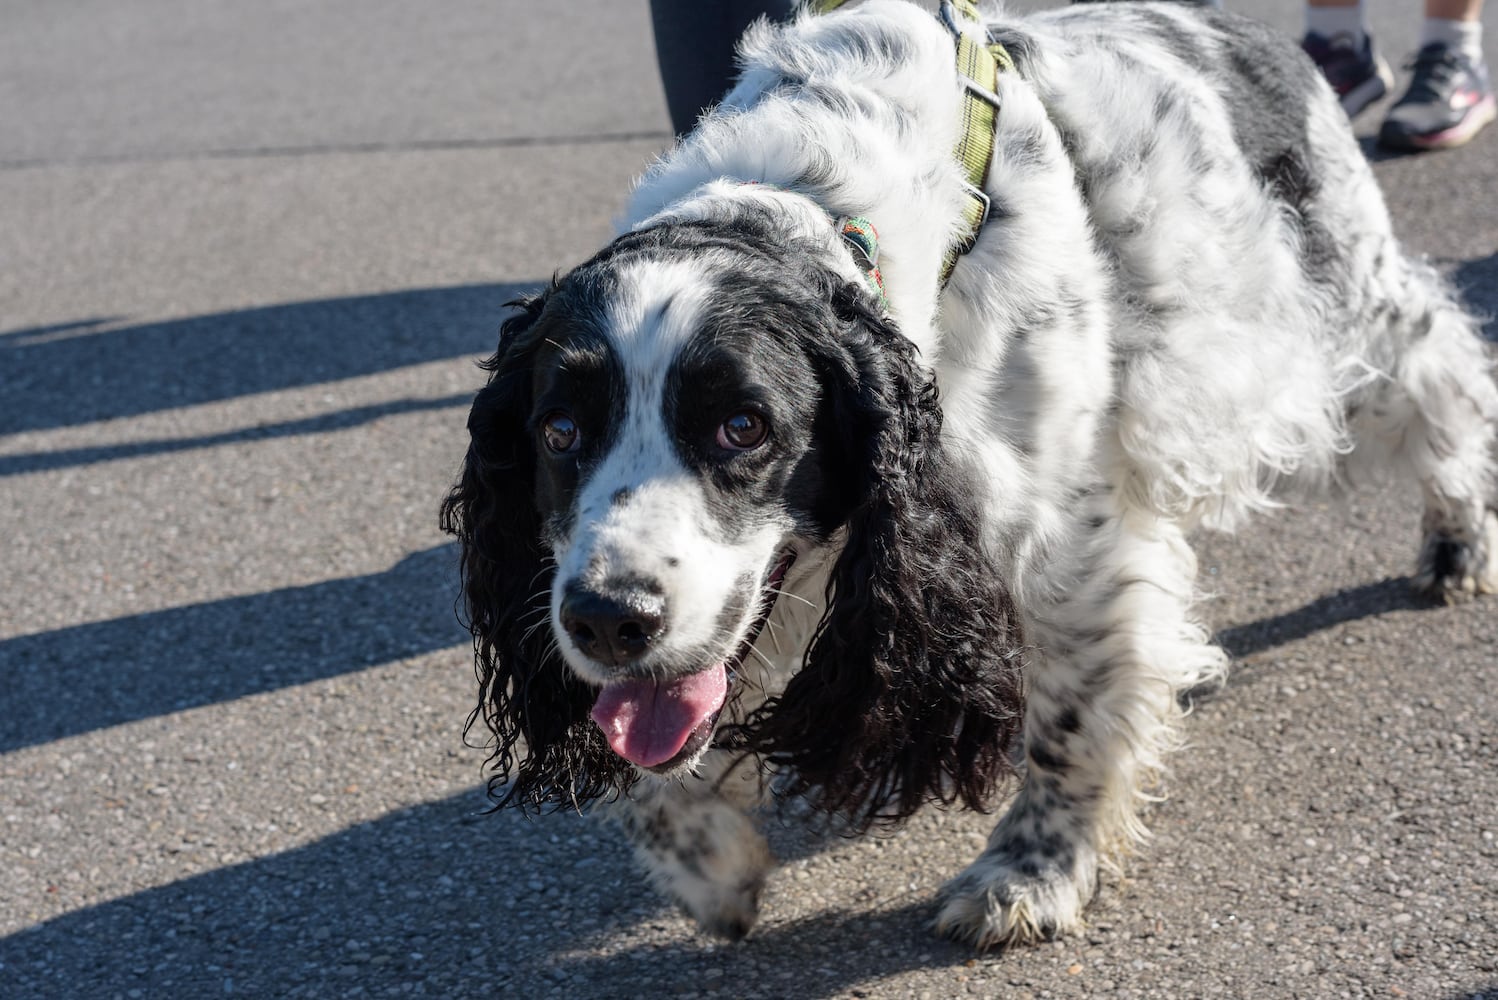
(663, 432)
(673, 413)
(671, 426)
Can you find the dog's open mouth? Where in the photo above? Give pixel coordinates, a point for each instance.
(658, 725)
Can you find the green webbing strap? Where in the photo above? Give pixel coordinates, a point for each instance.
(978, 67)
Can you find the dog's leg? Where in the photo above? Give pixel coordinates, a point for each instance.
(1435, 416)
(1101, 713)
(698, 845)
(1448, 441)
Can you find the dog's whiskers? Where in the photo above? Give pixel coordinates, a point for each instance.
(526, 637)
(548, 564)
(541, 613)
(795, 597)
(774, 636)
(768, 669)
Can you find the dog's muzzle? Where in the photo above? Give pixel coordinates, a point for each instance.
(660, 724)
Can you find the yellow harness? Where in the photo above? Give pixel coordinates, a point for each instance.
(978, 68)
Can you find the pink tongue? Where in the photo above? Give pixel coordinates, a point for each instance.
(648, 722)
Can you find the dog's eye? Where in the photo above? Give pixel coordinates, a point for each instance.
(743, 431)
(560, 432)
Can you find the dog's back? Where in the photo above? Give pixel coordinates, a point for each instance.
(1261, 296)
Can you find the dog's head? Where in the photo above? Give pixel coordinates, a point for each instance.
(663, 431)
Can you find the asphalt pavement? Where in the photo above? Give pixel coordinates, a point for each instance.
(249, 254)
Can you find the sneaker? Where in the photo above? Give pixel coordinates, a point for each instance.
(1357, 73)
(1449, 101)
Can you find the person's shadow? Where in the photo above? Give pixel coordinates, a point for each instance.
(105, 368)
(85, 677)
(76, 679)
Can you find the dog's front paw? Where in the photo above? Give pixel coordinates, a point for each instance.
(726, 911)
(1452, 569)
(716, 879)
(1005, 898)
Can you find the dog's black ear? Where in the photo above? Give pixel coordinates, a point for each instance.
(911, 689)
(526, 693)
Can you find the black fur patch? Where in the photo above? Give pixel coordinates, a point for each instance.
(1266, 83)
(526, 694)
(1042, 754)
(748, 356)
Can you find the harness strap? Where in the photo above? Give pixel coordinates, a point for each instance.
(978, 68)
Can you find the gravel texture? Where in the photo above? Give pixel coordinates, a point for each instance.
(248, 255)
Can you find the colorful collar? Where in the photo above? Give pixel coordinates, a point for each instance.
(862, 239)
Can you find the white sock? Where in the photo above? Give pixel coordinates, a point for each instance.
(1329, 22)
(1464, 36)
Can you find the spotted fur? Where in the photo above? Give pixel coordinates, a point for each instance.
(1187, 305)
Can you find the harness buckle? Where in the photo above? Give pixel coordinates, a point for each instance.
(981, 92)
(978, 194)
(976, 228)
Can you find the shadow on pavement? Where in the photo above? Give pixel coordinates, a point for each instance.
(82, 372)
(1365, 601)
(446, 901)
(44, 461)
(827, 955)
(1478, 281)
(1374, 153)
(1240, 641)
(85, 677)
(376, 905)
(39, 332)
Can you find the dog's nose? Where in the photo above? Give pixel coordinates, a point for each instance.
(612, 630)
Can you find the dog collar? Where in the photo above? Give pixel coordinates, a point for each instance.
(978, 68)
(863, 242)
(863, 239)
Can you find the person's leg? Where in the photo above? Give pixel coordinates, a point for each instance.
(694, 42)
(1337, 39)
(1454, 10)
(1450, 98)
(1457, 23)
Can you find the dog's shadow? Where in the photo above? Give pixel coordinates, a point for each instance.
(459, 903)
(1350, 604)
(829, 954)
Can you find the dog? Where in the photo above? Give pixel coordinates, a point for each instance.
(742, 515)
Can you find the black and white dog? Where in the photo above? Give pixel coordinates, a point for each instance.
(725, 503)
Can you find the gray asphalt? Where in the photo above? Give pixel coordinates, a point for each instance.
(248, 256)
